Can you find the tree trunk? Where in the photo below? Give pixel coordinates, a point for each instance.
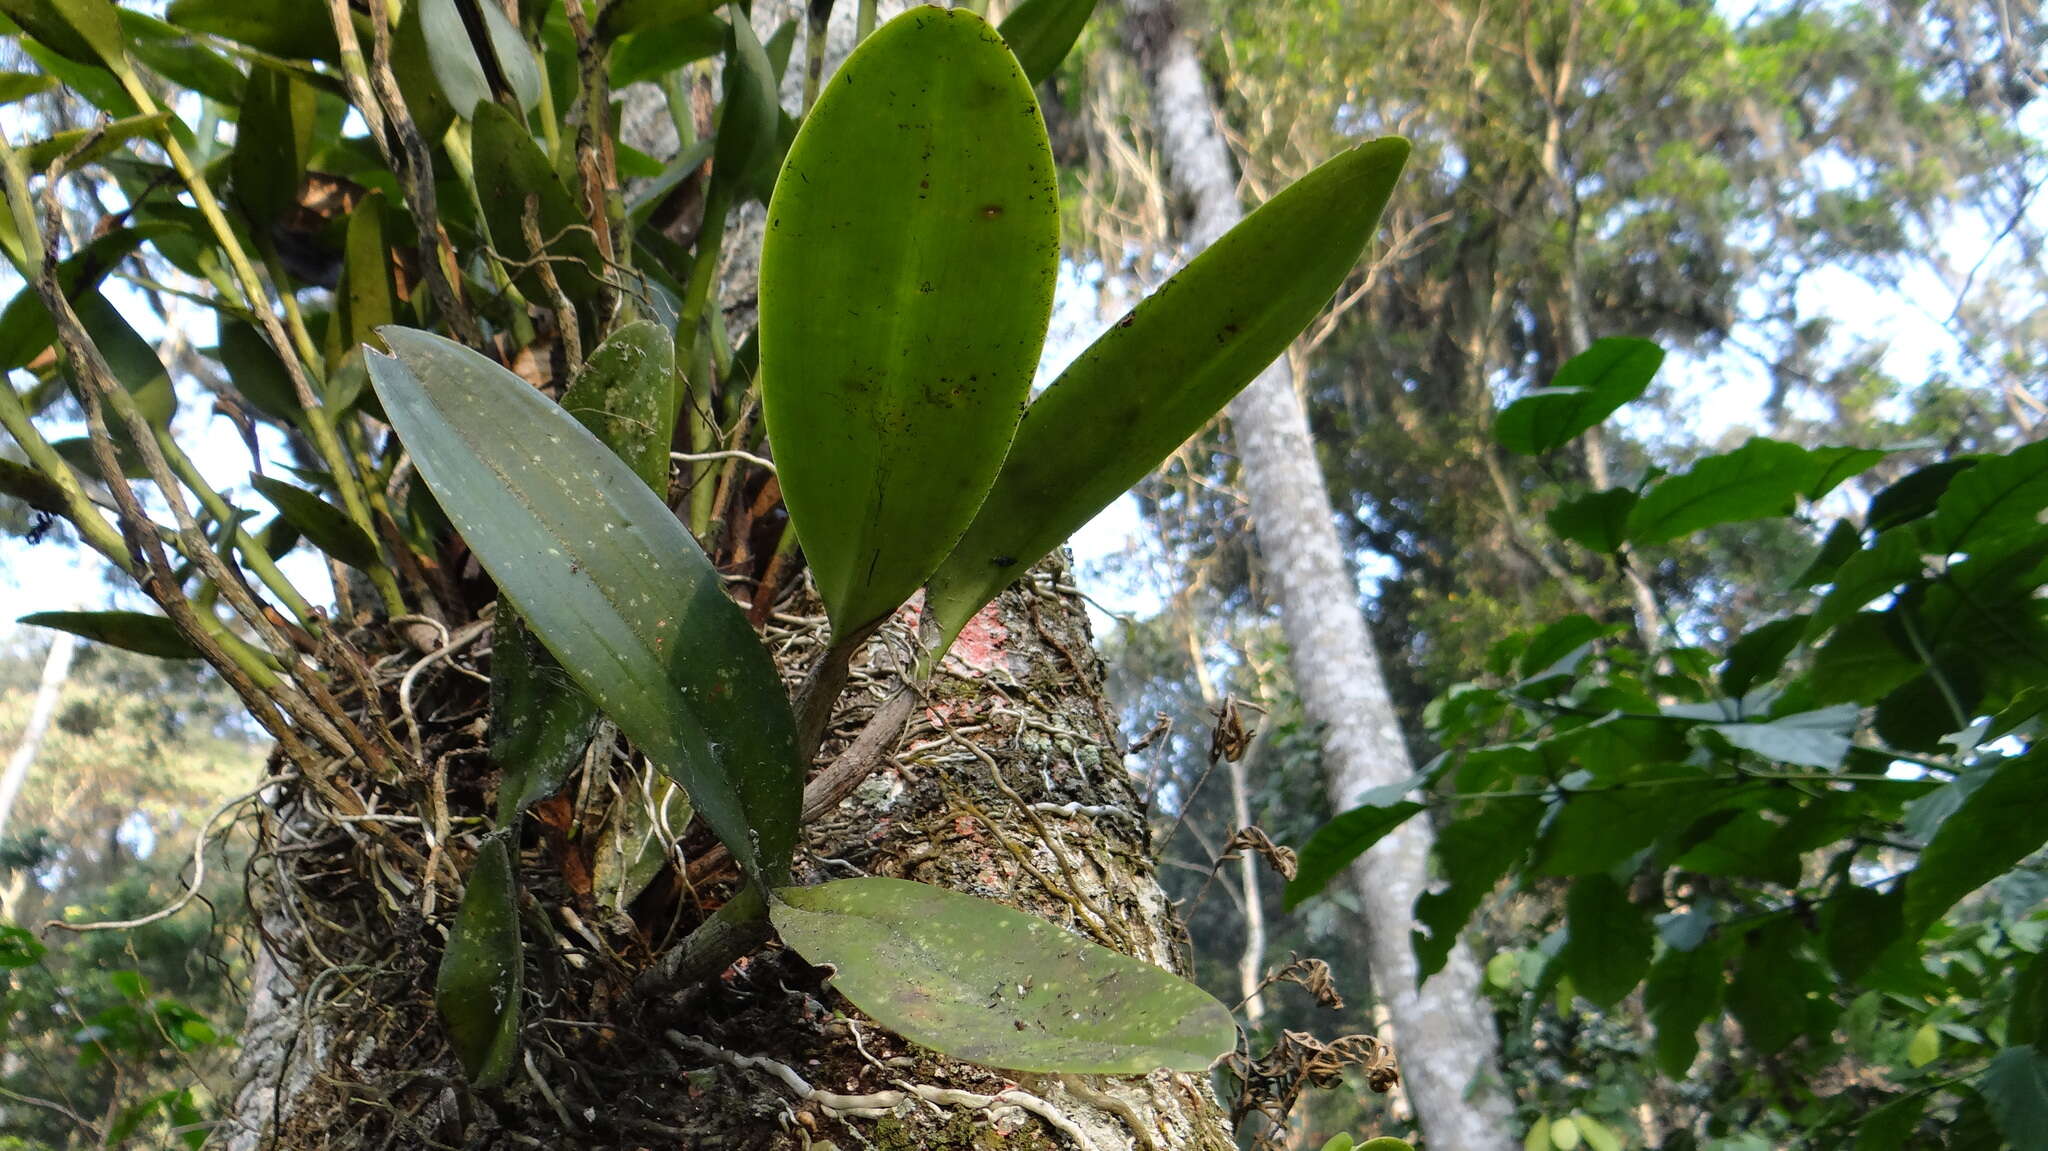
(1444, 1034)
(56, 669)
(1008, 783)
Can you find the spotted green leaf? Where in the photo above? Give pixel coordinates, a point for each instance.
(482, 976)
(906, 284)
(609, 580)
(624, 395)
(510, 166)
(134, 631)
(992, 985)
(1165, 369)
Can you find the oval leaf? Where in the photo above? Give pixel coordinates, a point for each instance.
(978, 981)
(509, 168)
(540, 721)
(325, 525)
(134, 631)
(1156, 377)
(625, 394)
(1042, 32)
(1338, 842)
(906, 284)
(1588, 389)
(482, 975)
(609, 581)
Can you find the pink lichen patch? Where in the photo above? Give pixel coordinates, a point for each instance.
(982, 642)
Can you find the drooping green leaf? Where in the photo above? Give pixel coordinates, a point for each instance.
(610, 582)
(481, 982)
(625, 394)
(541, 722)
(1608, 950)
(906, 283)
(1996, 827)
(510, 167)
(366, 273)
(131, 358)
(1165, 369)
(656, 51)
(463, 76)
(327, 526)
(1588, 389)
(1759, 480)
(1335, 844)
(293, 29)
(172, 53)
(273, 143)
(750, 118)
(2015, 1086)
(82, 146)
(2000, 497)
(979, 981)
(134, 631)
(1682, 990)
(85, 31)
(1475, 852)
(1598, 521)
(256, 372)
(1817, 738)
(1779, 992)
(26, 328)
(1916, 493)
(623, 16)
(1042, 32)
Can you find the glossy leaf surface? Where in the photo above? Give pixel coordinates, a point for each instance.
(134, 631)
(610, 582)
(1165, 369)
(482, 975)
(979, 981)
(1588, 389)
(906, 283)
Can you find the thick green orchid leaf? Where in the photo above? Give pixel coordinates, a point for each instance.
(975, 980)
(1042, 32)
(1588, 389)
(135, 631)
(509, 168)
(621, 17)
(482, 977)
(541, 722)
(293, 29)
(273, 142)
(84, 31)
(906, 284)
(610, 582)
(369, 296)
(1164, 370)
(463, 76)
(256, 372)
(625, 394)
(327, 526)
(80, 147)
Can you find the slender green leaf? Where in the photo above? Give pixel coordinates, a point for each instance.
(256, 372)
(172, 53)
(979, 981)
(541, 722)
(1608, 950)
(657, 51)
(77, 152)
(18, 85)
(1165, 369)
(133, 631)
(293, 29)
(326, 526)
(273, 143)
(510, 167)
(906, 283)
(369, 296)
(464, 77)
(1338, 842)
(623, 16)
(85, 31)
(481, 983)
(1997, 826)
(1588, 389)
(611, 583)
(1042, 32)
(1598, 521)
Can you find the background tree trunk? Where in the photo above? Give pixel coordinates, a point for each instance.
(1443, 1032)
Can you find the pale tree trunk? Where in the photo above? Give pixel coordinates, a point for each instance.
(1443, 1031)
(56, 669)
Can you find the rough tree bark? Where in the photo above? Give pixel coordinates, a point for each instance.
(1443, 1033)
